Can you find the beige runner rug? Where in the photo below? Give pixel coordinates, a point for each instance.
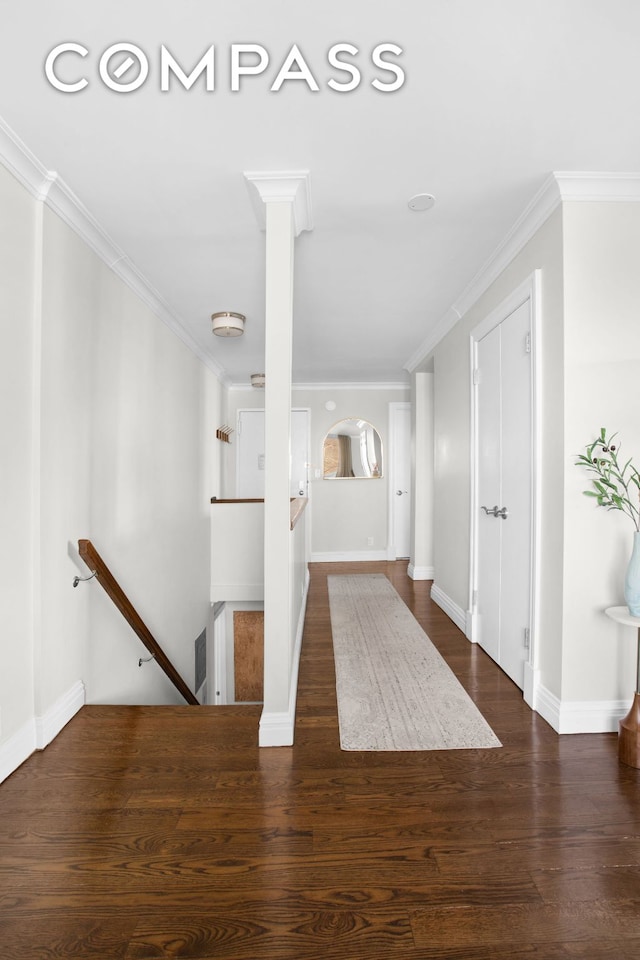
(395, 692)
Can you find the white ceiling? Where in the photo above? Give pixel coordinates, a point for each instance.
(498, 94)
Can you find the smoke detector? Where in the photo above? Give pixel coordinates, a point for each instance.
(421, 201)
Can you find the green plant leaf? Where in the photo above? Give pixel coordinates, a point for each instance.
(612, 483)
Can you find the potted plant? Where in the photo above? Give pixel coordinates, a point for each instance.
(616, 487)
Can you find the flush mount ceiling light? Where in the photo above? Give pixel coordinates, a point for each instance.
(421, 201)
(227, 324)
(258, 380)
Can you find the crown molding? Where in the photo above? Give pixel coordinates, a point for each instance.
(284, 186)
(380, 385)
(593, 187)
(446, 323)
(49, 188)
(559, 187)
(21, 162)
(129, 274)
(536, 213)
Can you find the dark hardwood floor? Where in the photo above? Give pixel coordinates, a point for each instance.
(165, 832)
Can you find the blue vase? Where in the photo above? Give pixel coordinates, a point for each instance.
(632, 579)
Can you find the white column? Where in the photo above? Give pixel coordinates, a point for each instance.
(278, 340)
(421, 565)
(282, 204)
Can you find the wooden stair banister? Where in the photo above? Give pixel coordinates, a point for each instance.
(113, 589)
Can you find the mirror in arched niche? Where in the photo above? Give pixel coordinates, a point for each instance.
(352, 449)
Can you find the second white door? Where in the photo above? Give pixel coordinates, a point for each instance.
(504, 486)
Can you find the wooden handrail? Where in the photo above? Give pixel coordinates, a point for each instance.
(297, 506)
(238, 500)
(113, 589)
(296, 509)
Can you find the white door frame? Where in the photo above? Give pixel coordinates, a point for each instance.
(529, 290)
(390, 455)
(308, 484)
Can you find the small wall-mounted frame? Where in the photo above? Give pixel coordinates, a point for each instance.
(224, 433)
(352, 450)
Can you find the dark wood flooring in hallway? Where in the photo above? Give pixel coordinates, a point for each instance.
(166, 833)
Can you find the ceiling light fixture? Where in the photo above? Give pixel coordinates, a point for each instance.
(421, 201)
(227, 324)
(258, 380)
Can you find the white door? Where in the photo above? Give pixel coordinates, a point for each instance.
(400, 479)
(250, 461)
(250, 455)
(504, 487)
(489, 492)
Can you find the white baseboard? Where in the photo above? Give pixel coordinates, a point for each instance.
(277, 729)
(17, 749)
(531, 686)
(421, 573)
(580, 716)
(548, 706)
(40, 731)
(452, 610)
(58, 716)
(471, 626)
(569, 716)
(348, 556)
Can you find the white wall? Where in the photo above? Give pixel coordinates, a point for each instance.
(590, 361)
(452, 441)
(343, 514)
(346, 514)
(17, 240)
(69, 301)
(125, 409)
(111, 432)
(602, 377)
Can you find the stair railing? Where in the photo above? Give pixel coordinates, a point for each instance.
(113, 589)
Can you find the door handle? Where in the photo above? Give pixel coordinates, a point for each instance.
(496, 511)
